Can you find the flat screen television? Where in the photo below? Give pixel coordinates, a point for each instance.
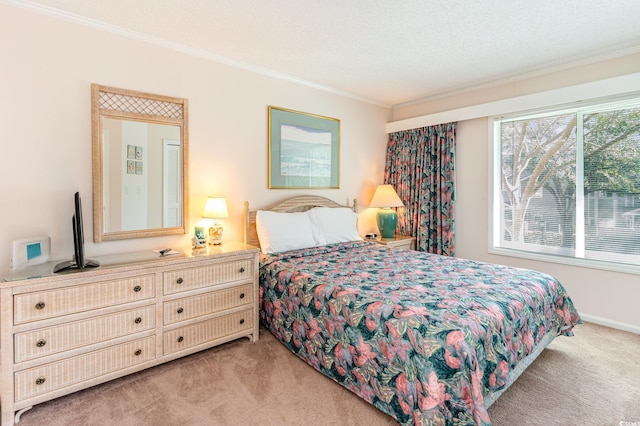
(78, 261)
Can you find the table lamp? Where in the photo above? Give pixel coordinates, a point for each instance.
(385, 198)
(215, 208)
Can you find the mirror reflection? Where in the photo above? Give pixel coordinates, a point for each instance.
(139, 164)
(141, 175)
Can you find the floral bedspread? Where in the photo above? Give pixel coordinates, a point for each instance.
(422, 337)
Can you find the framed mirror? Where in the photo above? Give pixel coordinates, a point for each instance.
(140, 152)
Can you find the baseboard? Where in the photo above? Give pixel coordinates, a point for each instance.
(609, 323)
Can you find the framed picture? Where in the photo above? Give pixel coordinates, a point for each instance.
(138, 153)
(130, 167)
(131, 151)
(304, 150)
(138, 167)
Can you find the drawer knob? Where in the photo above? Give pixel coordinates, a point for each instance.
(241, 295)
(138, 320)
(40, 343)
(40, 305)
(138, 352)
(180, 339)
(180, 310)
(242, 321)
(137, 288)
(180, 280)
(40, 380)
(242, 269)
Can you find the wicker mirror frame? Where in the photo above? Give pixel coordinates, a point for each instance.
(122, 104)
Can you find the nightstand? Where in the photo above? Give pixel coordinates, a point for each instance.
(399, 241)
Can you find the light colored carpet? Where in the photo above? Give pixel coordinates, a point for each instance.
(590, 379)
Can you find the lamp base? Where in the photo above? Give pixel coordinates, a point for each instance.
(387, 222)
(215, 233)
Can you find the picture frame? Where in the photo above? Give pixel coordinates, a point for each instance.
(199, 238)
(139, 168)
(131, 152)
(304, 150)
(130, 167)
(138, 153)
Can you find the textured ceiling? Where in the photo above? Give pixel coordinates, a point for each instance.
(385, 51)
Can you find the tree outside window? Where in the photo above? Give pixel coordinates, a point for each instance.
(570, 183)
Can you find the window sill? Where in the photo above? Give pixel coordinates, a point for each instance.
(569, 261)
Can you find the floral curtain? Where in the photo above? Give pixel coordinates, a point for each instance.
(420, 166)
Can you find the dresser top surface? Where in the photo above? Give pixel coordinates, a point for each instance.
(124, 261)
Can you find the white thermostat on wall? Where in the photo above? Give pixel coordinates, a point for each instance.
(30, 251)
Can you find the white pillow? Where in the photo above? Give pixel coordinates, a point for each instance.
(279, 232)
(334, 225)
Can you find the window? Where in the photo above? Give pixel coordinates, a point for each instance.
(567, 183)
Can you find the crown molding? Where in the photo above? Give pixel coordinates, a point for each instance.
(533, 72)
(616, 86)
(203, 54)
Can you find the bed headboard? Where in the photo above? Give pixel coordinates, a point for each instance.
(300, 203)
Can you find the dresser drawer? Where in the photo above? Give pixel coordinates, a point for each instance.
(202, 332)
(50, 377)
(189, 279)
(203, 304)
(51, 340)
(48, 304)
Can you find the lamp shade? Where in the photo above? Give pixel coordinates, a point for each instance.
(385, 196)
(215, 208)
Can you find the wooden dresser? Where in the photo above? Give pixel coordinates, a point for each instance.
(64, 332)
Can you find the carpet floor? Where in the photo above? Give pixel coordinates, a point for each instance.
(592, 378)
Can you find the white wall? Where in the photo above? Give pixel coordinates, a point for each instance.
(609, 298)
(48, 65)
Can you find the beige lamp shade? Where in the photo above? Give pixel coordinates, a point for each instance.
(215, 208)
(385, 196)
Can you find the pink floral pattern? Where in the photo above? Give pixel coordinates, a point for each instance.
(422, 337)
(420, 165)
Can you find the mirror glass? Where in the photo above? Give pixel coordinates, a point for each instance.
(139, 165)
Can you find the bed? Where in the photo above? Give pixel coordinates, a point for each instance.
(427, 339)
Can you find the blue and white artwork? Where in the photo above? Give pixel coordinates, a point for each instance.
(305, 152)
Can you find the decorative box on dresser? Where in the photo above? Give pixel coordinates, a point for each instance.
(68, 331)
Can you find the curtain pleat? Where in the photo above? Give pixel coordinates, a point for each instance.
(420, 166)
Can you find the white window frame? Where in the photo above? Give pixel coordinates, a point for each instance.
(552, 254)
